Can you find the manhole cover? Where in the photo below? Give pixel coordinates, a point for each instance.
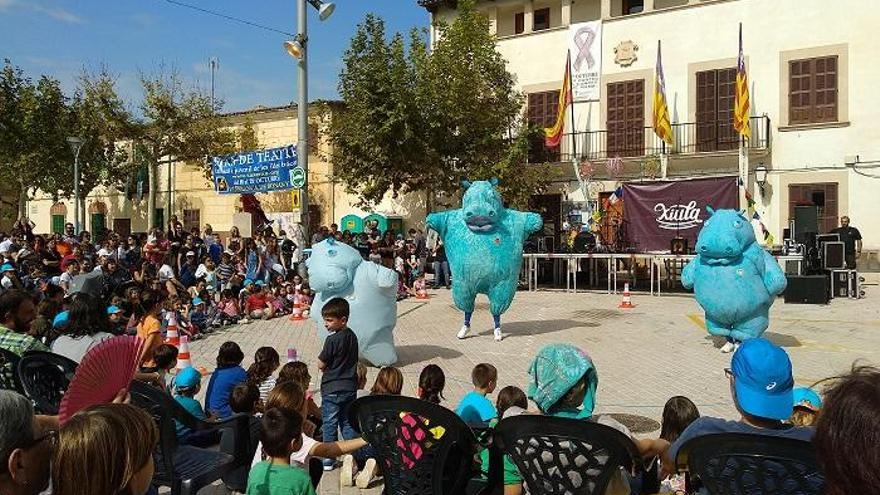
(636, 423)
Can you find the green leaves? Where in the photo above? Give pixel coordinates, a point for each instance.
(416, 119)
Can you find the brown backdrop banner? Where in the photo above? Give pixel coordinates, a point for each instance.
(658, 211)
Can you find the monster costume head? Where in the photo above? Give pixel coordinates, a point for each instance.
(482, 206)
(725, 237)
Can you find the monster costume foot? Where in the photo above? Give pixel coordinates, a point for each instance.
(498, 335)
(463, 332)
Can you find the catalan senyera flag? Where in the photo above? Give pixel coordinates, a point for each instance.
(741, 101)
(553, 135)
(662, 126)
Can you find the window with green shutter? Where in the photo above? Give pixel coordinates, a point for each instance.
(57, 224)
(99, 223)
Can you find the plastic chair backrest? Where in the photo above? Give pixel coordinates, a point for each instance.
(422, 448)
(746, 464)
(565, 456)
(44, 377)
(161, 406)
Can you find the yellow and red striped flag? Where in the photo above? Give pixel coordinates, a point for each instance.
(741, 101)
(662, 126)
(553, 135)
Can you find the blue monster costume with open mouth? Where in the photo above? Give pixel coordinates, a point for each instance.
(484, 245)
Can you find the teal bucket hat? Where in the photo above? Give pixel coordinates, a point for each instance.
(554, 371)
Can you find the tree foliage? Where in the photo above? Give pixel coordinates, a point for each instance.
(419, 120)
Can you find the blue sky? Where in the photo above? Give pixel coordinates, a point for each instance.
(60, 37)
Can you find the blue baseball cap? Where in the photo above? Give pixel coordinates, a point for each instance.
(260, 283)
(197, 301)
(248, 281)
(806, 397)
(6, 267)
(112, 310)
(762, 379)
(61, 319)
(187, 378)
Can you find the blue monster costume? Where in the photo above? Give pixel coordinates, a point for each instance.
(338, 270)
(734, 279)
(484, 244)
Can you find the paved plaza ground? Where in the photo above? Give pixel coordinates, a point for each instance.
(643, 355)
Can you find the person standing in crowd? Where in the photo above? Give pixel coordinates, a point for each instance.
(441, 266)
(235, 243)
(852, 242)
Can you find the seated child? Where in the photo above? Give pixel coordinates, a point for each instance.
(245, 399)
(227, 309)
(475, 407)
(198, 315)
(420, 287)
(678, 413)
(117, 319)
(187, 384)
(511, 402)
(226, 376)
(266, 361)
(362, 380)
(280, 437)
(807, 404)
(432, 380)
(298, 372)
(165, 357)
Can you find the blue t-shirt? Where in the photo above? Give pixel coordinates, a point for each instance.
(476, 408)
(223, 380)
(708, 426)
(193, 407)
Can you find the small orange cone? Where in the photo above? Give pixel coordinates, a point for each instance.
(173, 336)
(297, 309)
(626, 303)
(421, 294)
(183, 359)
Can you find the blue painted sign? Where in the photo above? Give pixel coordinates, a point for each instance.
(267, 170)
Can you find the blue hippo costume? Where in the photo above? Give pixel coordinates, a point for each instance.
(484, 244)
(734, 279)
(338, 270)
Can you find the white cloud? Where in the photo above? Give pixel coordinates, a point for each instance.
(5, 4)
(57, 14)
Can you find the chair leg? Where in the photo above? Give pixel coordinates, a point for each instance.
(186, 487)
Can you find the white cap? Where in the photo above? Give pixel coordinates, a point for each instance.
(190, 253)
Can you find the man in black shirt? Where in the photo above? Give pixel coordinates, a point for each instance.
(852, 241)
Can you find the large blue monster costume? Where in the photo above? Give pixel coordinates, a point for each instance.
(338, 270)
(734, 279)
(484, 244)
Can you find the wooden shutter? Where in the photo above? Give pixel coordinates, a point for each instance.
(802, 194)
(812, 90)
(542, 113)
(707, 109)
(122, 226)
(541, 19)
(519, 23)
(625, 118)
(191, 218)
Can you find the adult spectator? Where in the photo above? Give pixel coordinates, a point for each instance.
(156, 248)
(26, 442)
(321, 234)
(130, 253)
(761, 385)
(440, 266)
(17, 311)
(235, 242)
(8, 249)
(852, 242)
(114, 277)
(848, 433)
(187, 268)
(88, 326)
(287, 247)
(50, 258)
(70, 238)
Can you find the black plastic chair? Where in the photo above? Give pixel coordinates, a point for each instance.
(44, 377)
(745, 464)
(184, 468)
(557, 456)
(9, 371)
(421, 448)
(236, 479)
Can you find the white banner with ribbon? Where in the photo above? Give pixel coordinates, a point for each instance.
(585, 43)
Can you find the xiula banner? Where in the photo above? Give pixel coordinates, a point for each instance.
(657, 212)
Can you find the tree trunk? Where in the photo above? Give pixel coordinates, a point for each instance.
(22, 201)
(153, 173)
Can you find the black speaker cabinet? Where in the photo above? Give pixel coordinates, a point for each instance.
(810, 289)
(806, 219)
(832, 256)
(678, 245)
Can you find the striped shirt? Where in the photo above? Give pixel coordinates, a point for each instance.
(266, 387)
(225, 271)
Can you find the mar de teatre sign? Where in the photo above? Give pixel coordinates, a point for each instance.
(274, 169)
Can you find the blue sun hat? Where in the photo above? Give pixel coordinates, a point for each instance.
(806, 397)
(187, 378)
(197, 300)
(554, 371)
(248, 282)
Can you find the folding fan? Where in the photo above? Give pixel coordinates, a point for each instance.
(105, 370)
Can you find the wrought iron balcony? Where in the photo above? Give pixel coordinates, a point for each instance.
(689, 138)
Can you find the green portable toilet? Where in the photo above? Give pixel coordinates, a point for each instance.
(377, 221)
(352, 223)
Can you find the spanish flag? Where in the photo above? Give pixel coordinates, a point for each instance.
(553, 135)
(662, 127)
(741, 102)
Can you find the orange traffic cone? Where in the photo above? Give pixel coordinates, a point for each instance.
(173, 336)
(183, 359)
(626, 303)
(297, 309)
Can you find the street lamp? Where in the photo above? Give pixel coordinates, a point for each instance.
(75, 144)
(761, 176)
(297, 48)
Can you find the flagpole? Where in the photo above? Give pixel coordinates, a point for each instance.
(743, 165)
(664, 156)
(571, 97)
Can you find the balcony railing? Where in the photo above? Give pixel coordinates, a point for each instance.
(688, 138)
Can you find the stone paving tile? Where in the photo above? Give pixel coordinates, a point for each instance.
(643, 356)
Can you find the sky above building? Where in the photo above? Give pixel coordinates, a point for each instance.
(61, 37)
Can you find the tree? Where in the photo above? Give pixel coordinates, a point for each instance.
(178, 125)
(415, 120)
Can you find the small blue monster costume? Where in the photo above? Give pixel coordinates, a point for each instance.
(734, 279)
(484, 244)
(337, 270)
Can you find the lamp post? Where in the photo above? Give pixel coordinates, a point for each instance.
(75, 144)
(761, 177)
(297, 48)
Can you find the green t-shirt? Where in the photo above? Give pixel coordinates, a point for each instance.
(277, 479)
(511, 473)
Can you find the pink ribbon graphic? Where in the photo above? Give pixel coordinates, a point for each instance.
(584, 38)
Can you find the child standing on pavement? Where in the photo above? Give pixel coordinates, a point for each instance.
(338, 362)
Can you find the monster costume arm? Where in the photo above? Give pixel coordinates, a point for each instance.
(532, 223)
(437, 221)
(382, 278)
(687, 275)
(774, 277)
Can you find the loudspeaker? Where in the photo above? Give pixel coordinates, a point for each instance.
(678, 245)
(839, 283)
(811, 289)
(832, 255)
(806, 219)
(90, 283)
